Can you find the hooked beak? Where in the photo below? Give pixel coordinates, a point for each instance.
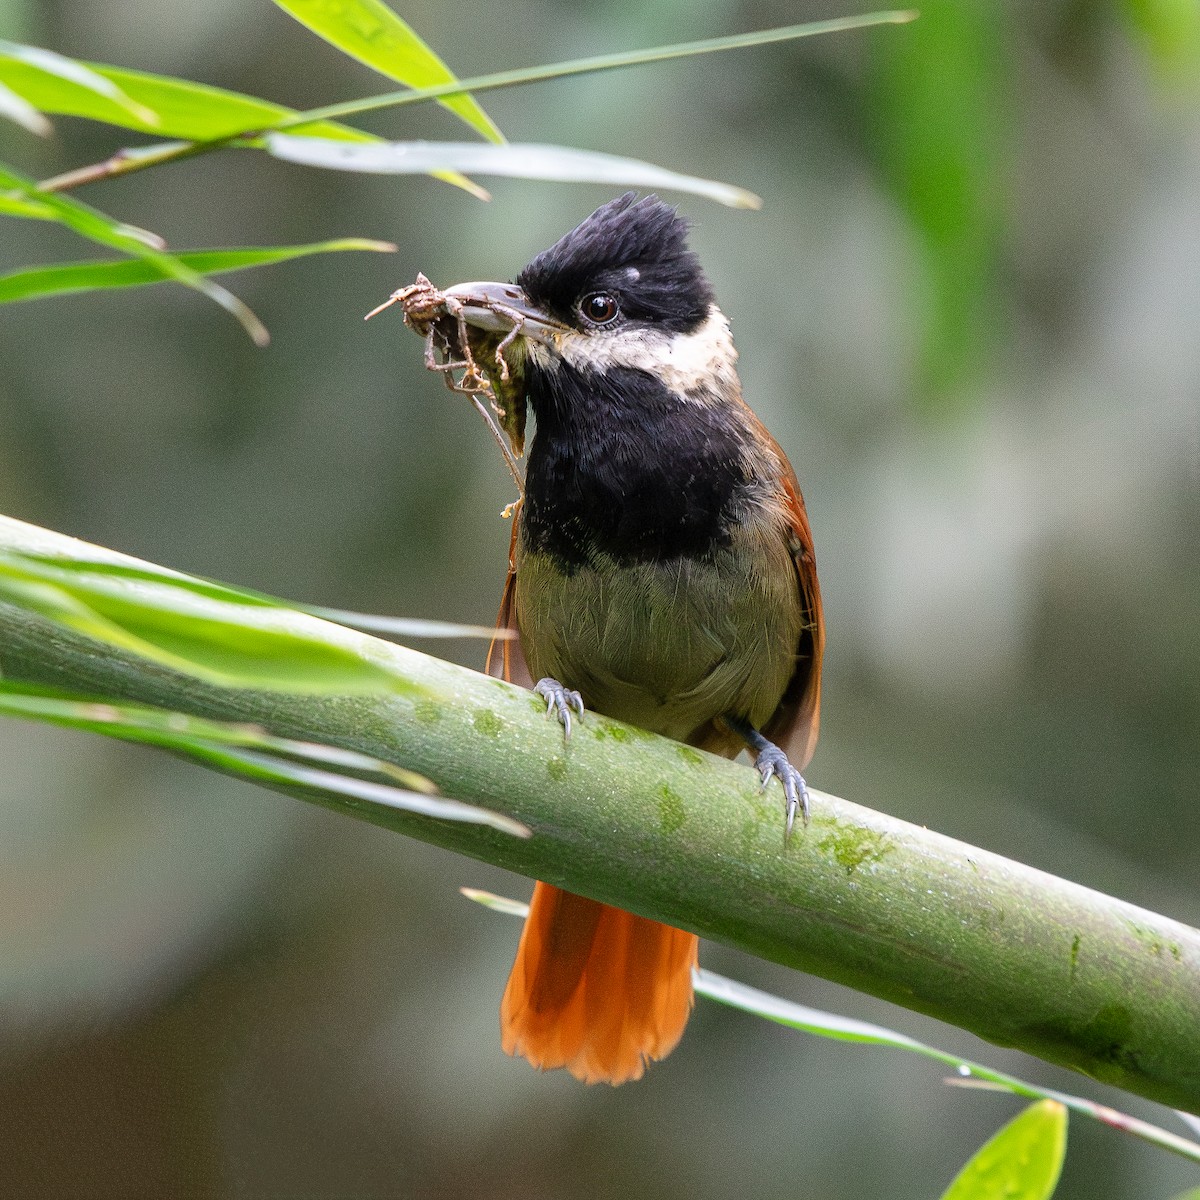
(502, 308)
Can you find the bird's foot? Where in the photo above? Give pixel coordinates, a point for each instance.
(772, 761)
(559, 700)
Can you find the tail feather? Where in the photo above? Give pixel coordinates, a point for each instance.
(595, 989)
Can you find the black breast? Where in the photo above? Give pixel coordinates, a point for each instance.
(624, 466)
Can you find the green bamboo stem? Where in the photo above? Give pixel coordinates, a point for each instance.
(1013, 954)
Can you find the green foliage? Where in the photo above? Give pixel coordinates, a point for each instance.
(941, 106)
(369, 31)
(1022, 1162)
(33, 82)
(1170, 30)
(156, 104)
(251, 753)
(65, 278)
(559, 164)
(57, 69)
(212, 633)
(846, 1029)
(98, 227)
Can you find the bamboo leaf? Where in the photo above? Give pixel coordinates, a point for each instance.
(410, 627)
(600, 62)
(64, 278)
(12, 206)
(59, 70)
(181, 108)
(211, 590)
(372, 33)
(251, 752)
(17, 108)
(1022, 1162)
(848, 1029)
(562, 164)
(96, 226)
(192, 629)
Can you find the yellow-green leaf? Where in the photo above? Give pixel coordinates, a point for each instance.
(61, 70)
(65, 278)
(1022, 1162)
(17, 108)
(252, 752)
(96, 226)
(372, 33)
(12, 206)
(193, 111)
(190, 627)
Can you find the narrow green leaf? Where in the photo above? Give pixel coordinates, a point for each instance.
(799, 1016)
(370, 32)
(11, 206)
(600, 62)
(228, 643)
(61, 69)
(250, 752)
(411, 627)
(500, 904)
(63, 278)
(823, 1024)
(17, 108)
(526, 161)
(1022, 1162)
(210, 589)
(99, 227)
(193, 111)
(270, 770)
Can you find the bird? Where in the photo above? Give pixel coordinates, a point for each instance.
(662, 573)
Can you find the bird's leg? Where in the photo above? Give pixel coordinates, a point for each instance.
(559, 700)
(770, 760)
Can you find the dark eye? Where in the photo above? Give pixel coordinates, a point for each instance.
(600, 308)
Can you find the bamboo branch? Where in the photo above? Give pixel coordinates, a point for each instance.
(1013, 954)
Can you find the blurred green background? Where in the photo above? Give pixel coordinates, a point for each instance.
(970, 311)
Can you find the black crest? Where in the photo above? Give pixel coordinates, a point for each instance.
(634, 249)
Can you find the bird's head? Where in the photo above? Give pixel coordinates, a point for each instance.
(622, 290)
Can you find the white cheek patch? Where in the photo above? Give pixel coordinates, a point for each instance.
(686, 362)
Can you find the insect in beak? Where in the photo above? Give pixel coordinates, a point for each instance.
(502, 308)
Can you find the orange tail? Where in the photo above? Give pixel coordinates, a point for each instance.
(595, 989)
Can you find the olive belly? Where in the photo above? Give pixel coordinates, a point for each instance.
(668, 645)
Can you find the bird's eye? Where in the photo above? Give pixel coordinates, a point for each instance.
(599, 308)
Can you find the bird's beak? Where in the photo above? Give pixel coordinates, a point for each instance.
(503, 307)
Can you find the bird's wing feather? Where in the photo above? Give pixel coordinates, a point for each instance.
(797, 719)
(505, 658)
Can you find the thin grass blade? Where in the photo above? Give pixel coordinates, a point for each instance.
(822, 1024)
(250, 752)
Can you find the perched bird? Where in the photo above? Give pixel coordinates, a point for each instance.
(662, 573)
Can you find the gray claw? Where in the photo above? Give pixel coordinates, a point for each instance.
(559, 700)
(773, 762)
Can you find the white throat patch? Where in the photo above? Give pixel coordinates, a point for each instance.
(686, 362)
